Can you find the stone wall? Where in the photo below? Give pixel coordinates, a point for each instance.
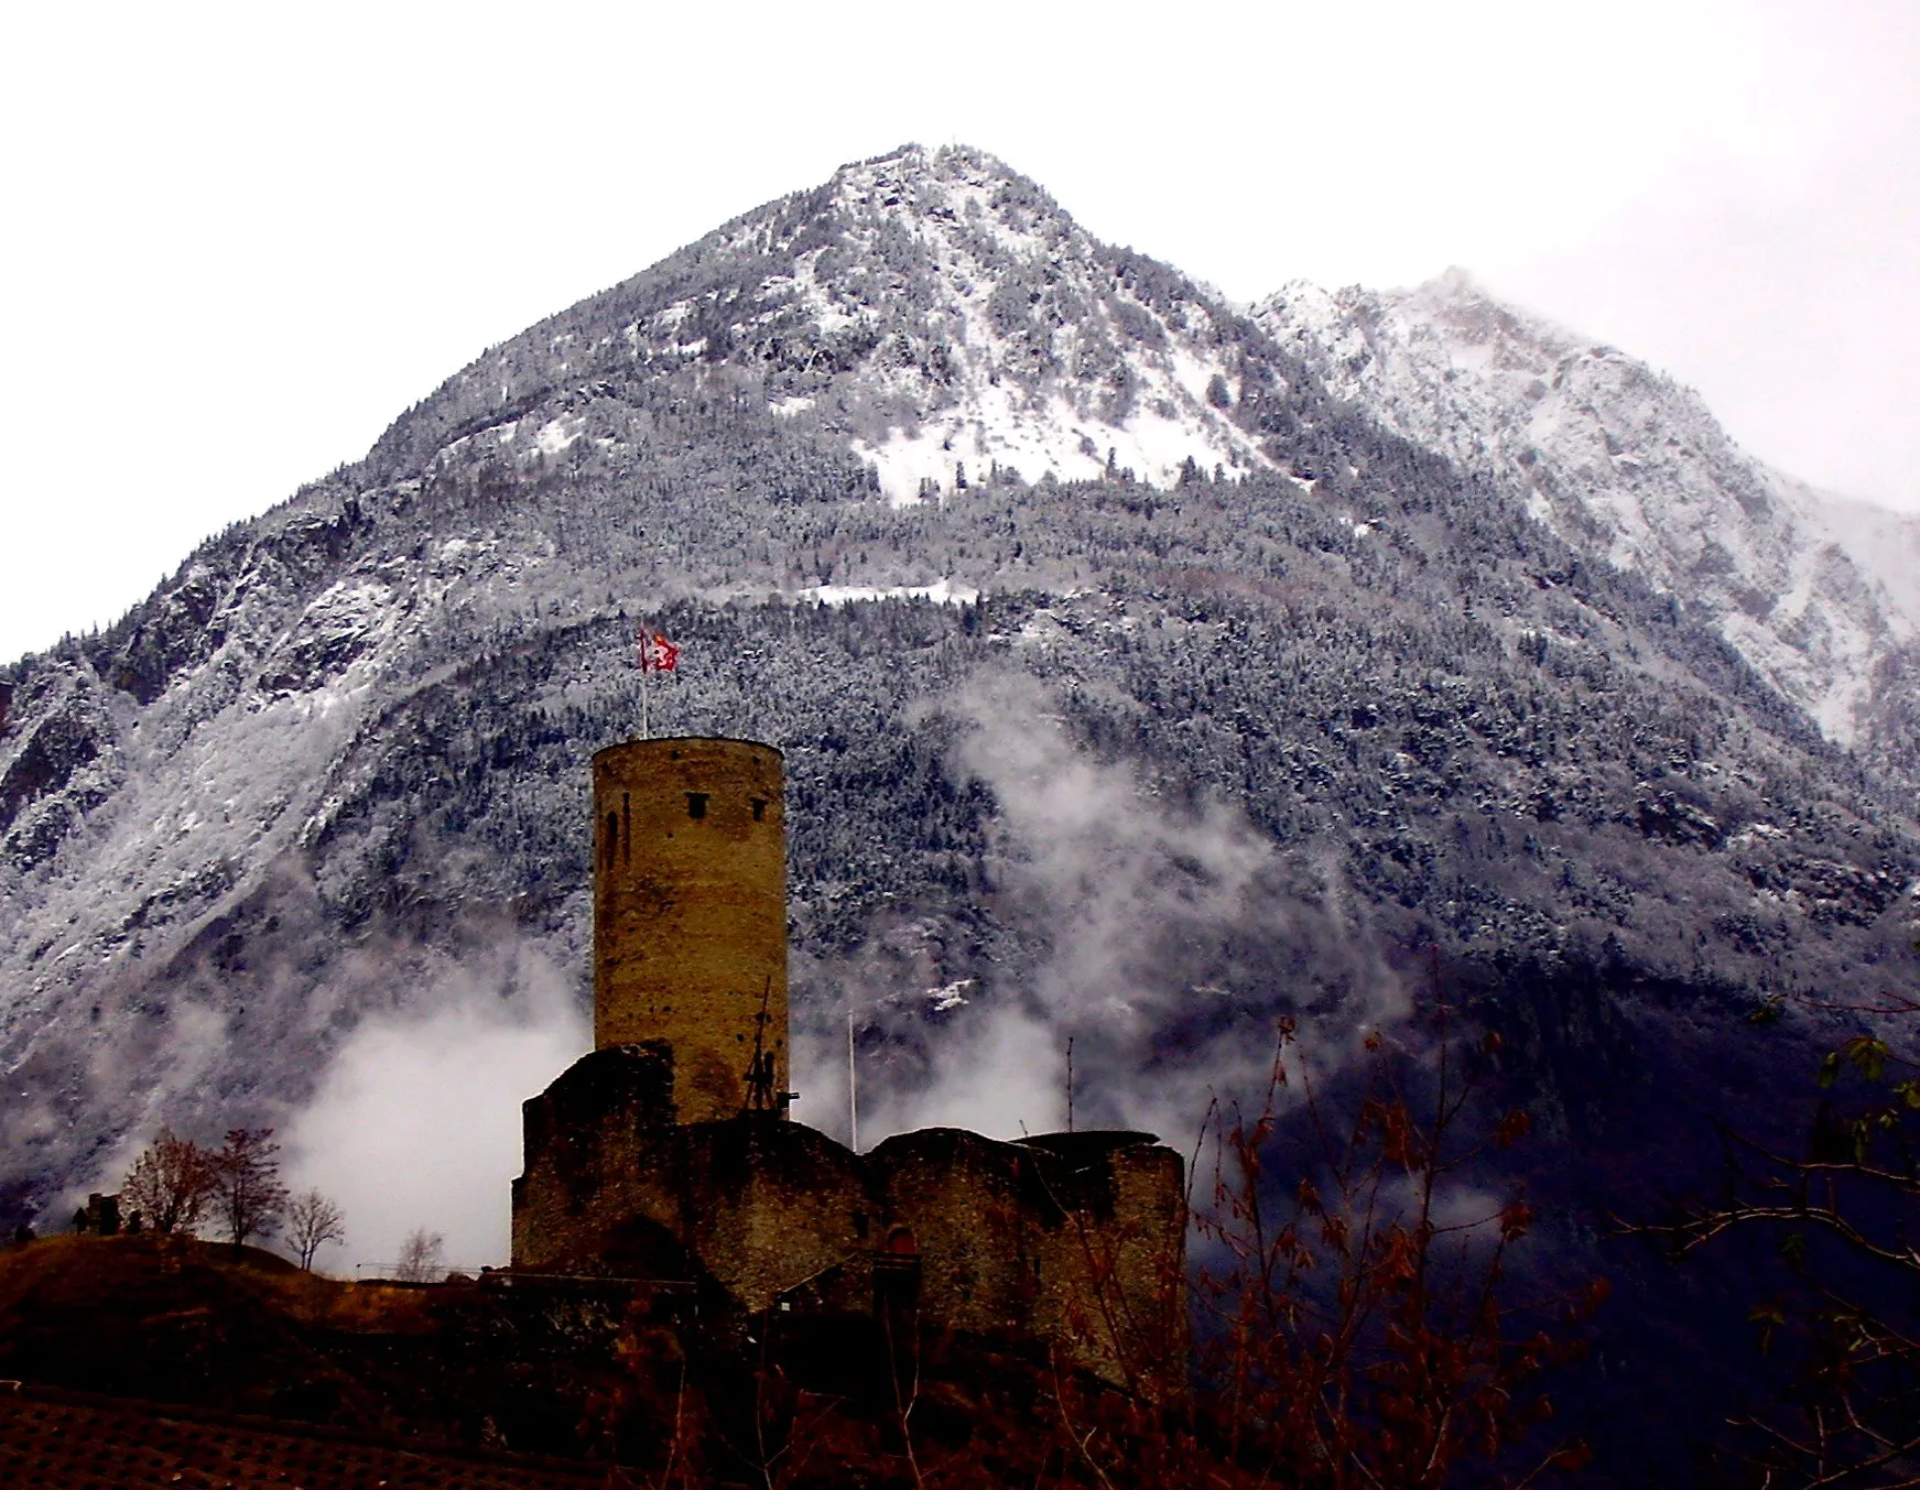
(1074, 1238)
(972, 1206)
(1077, 1239)
(753, 1203)
(579, 1137)
(1113, 1275)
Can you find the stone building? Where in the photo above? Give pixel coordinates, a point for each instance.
(667, 1154)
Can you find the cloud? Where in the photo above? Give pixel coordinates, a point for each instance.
(1160, 938)
(1002, 1075)
(142, 1075)
(416, 1122)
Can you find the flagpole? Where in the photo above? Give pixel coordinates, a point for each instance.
(646, 677)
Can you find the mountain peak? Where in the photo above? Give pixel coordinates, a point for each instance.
(914, 175)
(946, 314)
(931, 311)
(952, 185)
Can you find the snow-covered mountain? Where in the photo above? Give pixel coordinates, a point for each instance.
(1146, 670)
(939, 315)
(1624, 463)
(996, 333)
(1884, 544)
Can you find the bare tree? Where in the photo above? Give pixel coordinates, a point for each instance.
(422, 1257)
(248, 1195)
(312, 1221)
(171, 1183)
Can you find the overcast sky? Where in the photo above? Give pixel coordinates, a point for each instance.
(239, 240)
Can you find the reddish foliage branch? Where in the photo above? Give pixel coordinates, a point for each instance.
(1360, 1330)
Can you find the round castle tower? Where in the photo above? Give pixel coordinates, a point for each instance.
(690, 916)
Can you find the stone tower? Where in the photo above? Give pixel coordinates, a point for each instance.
(690, 917)
(655, 1159)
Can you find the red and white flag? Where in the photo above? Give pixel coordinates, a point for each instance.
(657, 654)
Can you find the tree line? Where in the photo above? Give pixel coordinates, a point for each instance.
(177, 1186)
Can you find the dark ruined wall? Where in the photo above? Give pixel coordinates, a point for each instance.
(1113, 1274)
(755, 1204)
(1077, 1239)
(971, 1204)
(768, 1204)
(579, 1137)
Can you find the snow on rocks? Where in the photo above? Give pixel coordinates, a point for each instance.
(343, 622)
(1607, 450)
(951, 996)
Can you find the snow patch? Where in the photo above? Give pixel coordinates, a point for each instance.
(940, 592)
(991, 429)
(558, 433)
(949, 996)
(1754, 833)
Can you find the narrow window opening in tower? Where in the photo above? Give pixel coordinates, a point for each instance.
(759, 808)
(696, 804)
(613, 835)
(860, 1227)
(626, 827)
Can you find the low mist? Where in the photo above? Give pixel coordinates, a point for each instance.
(1165, 937)
(416, 1123)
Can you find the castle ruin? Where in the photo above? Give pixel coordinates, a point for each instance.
(667, 1154)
